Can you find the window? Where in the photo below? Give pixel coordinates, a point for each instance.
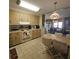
(57, 24)
(60, 24)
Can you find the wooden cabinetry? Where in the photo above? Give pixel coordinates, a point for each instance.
(34, 20)
(35, 33)
(15, 38)
(24, 17)
(16, 17)
(31, 19)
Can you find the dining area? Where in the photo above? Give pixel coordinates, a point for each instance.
(57, 45)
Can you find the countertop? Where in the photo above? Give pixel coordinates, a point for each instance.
(22, 30)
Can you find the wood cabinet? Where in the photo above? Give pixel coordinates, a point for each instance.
(24, 17)
(16, 17)
(15, 38)
(31, 19)
(35, 33)
(34, 20)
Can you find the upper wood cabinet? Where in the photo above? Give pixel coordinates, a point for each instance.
(34, 20)
(37, 20)
(24, 17)
(15, 17)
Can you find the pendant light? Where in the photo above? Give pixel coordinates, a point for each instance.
(55, 15)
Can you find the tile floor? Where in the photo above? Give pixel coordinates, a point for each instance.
(33, 49)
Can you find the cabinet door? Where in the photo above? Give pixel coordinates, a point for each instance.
(14, 18)
(33, 34)
(36, 20)
(28, 18)
(38, 33)
(31, 20)
(11, 39)
(15, 38)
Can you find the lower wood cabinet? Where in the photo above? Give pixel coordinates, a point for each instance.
(15, 38)
(35, 33)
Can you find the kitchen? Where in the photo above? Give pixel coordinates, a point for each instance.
(34, 33)
(19, 25)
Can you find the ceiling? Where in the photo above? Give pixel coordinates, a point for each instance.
(46, 6)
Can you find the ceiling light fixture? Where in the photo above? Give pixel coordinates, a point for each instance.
(55, 15)
(27, 5)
